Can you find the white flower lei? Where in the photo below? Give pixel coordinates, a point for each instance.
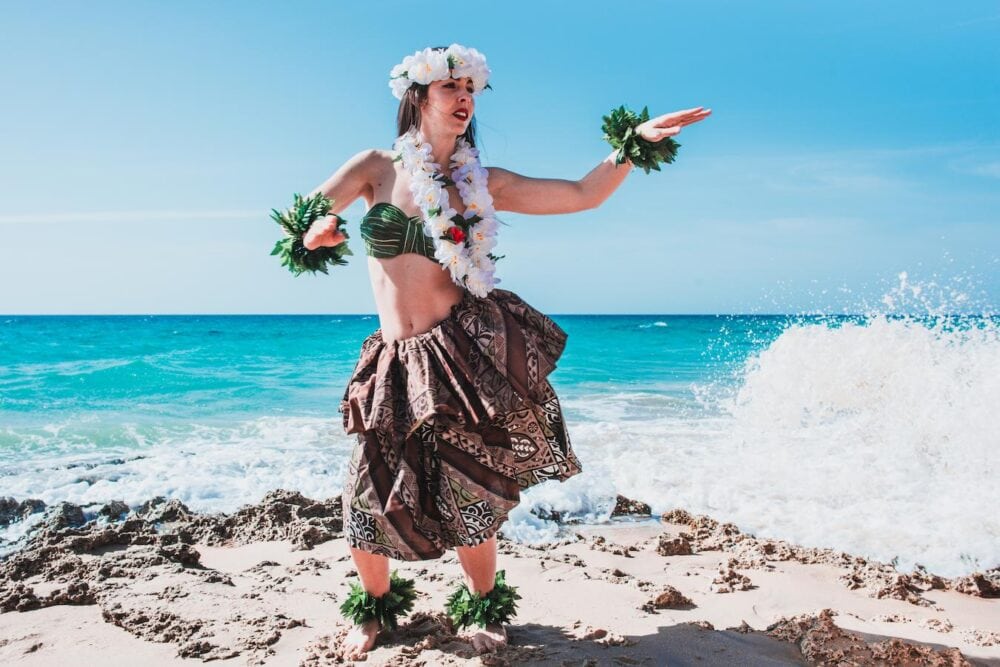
(429, 65)
(462, 244)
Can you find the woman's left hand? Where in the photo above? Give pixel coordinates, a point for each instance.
(670, 124)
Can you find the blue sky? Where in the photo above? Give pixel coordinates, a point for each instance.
(142, 145)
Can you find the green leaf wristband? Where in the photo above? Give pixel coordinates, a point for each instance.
(619, 130)
(296, 222)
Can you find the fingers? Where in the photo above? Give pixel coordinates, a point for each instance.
(677, 115)
(326, 225)
(328, 236)
(697, 117)
(330, 241)
(670, 124)
(682, 118)
(662, 132)
(687, 119)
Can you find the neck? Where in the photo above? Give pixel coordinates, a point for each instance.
(442, 146)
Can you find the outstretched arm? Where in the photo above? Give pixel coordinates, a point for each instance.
(350, 181)
(523, 194)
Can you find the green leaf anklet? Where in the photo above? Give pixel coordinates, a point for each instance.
(296, 222)
(498, 606)
(619, 130)
(361, 607)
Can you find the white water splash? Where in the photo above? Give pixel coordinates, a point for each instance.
(878, 437)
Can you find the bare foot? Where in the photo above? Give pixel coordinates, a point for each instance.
(487, 639)
(360, 639)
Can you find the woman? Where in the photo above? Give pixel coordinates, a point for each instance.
(449, 399)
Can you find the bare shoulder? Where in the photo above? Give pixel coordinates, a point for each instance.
(381, 155)
(368, 160)
(497, 174)
(503, 183)
(369, 167)
(357, 177)
(498, 178)
(378, 161)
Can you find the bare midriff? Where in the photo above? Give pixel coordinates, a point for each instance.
(412, 293)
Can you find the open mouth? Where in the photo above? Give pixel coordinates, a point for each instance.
(461, 114)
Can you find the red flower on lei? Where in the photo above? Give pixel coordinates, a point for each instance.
(456, 234)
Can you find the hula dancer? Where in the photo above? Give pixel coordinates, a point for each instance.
(450, 402)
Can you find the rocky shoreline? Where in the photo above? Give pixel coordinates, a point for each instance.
(145, 570)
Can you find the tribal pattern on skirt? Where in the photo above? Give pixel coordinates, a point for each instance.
(452, 424)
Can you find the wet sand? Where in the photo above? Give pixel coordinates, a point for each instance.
(160, 585)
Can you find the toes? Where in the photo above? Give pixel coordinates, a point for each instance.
(484, 644)
(486, 641)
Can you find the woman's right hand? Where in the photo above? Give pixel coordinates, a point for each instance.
(323, 232)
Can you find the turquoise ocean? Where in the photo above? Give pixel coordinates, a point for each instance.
(876, 433)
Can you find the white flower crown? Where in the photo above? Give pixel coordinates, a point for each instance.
(429, 65)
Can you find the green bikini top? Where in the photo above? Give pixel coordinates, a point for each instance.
(388, 232)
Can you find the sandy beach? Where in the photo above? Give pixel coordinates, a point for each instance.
(160, 585)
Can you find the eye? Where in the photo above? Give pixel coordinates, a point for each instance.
(449, 85)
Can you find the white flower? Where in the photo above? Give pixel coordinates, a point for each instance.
(399, 86)
(428, 65)
(488, 225)
(484, 199)
(463, 64)
(482, 243)
(475, 204)
(468, 263)
(465, 154)
(469, 62)
(479, 260)
(451, 256)
(480, 72)
(440, 226)
(479, 81)
(428, 195)
(418, 159)
(478, 285)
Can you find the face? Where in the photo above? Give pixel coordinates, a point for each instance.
(446, 101)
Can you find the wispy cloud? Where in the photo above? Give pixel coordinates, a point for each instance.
(859, 171)
(128, 216)
(834, 175)
(990, 169)
(782, 230)
(812, 224)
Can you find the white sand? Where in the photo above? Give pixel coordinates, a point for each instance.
(581, 601)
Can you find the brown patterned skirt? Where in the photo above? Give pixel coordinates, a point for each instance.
(452, 424)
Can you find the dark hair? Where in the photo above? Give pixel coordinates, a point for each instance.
(409, 110)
